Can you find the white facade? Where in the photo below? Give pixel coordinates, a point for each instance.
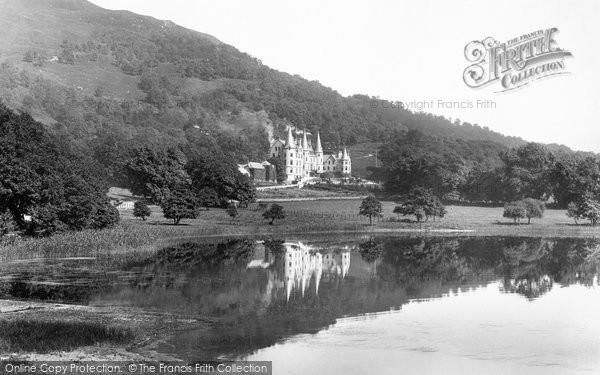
(302, 160)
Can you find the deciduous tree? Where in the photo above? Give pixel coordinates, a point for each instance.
(534, 209)
(370, 207)
(275, 212)
(515, 210)
(180, 204)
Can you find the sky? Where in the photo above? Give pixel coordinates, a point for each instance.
(413, 52)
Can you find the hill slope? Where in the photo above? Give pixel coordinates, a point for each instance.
(87, 71)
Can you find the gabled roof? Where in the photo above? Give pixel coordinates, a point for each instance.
(254, 165)
(242, 169)
(277, 140)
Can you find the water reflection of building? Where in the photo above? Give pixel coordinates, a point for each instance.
(303, 265)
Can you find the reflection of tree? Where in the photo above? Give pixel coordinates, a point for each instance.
(530, 287)
(531, 266)
(418, 262)
(275, 247)
(370, 250)
(202, 254)
(528, 266)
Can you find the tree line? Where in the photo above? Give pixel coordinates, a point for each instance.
(455, 172)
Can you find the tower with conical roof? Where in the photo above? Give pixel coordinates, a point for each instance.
(291, 156)
(319, 154)
(305, 155)
(346, 162)
(290, 139)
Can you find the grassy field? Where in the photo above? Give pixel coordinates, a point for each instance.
(488, 220)
(134, 238)
(307, 192)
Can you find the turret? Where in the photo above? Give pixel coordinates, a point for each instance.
(319, 149)
(290, 156)
(319, 155)
(346, 162)
(290, 139)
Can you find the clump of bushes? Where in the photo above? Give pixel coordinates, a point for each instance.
(586, 208)
(525, 208)
(422, 204)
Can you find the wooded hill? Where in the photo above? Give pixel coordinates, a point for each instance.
(86, 72)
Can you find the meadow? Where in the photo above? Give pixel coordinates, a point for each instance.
(133, 238)
(291, 193)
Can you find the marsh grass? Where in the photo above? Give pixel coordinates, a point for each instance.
(46, 336)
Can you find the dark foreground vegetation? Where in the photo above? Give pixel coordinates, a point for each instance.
(46, 336)
(45, 185)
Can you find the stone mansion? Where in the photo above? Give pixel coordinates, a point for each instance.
(302, 159)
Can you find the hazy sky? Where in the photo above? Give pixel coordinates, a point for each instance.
(414, 51)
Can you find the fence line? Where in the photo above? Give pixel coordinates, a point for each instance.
(324, 214)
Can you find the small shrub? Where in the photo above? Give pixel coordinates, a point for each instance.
(232, 210)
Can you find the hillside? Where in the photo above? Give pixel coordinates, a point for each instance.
(86, 71)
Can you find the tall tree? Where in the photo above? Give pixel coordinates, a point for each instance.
(573, 176)
(219, 172)
(154, 171)
(526, 172)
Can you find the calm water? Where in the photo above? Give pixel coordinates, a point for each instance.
(359, 305)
